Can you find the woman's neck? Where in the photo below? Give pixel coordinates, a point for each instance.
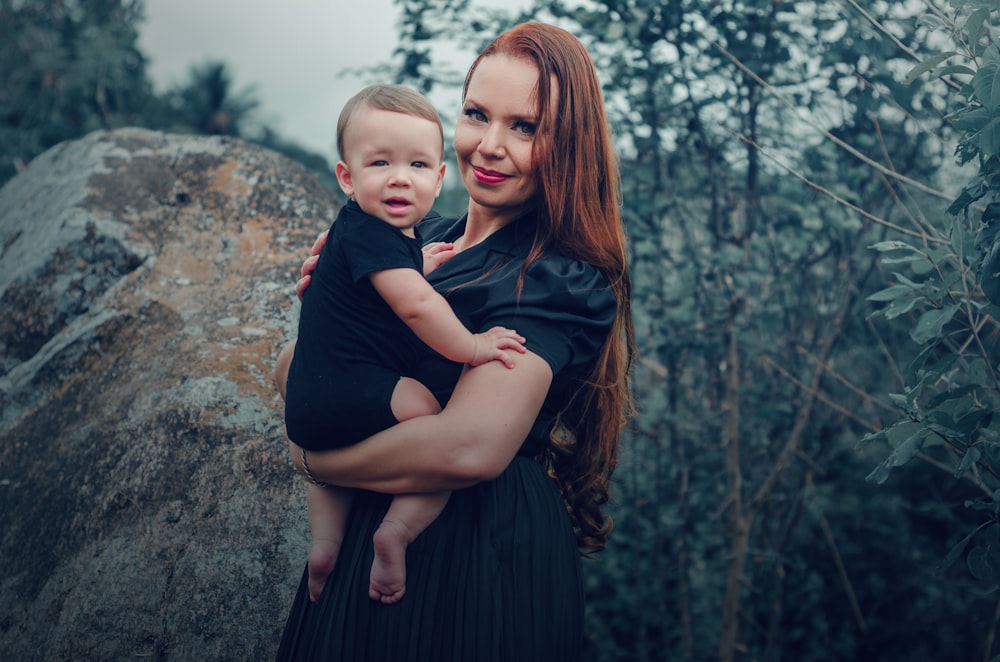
(481, 222)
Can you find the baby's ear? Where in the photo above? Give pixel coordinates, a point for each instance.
(344, 179)
(437, 191)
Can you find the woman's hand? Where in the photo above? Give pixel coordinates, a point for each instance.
(309, 265)
(437, 253)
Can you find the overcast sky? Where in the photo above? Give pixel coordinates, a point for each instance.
(292, 51)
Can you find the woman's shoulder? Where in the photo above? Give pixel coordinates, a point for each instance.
(570, 280)
(574, 270)
(566, 308)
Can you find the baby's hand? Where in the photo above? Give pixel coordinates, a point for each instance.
(496, 345)
(437, 253)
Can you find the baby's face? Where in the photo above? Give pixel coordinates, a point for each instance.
(394, 167)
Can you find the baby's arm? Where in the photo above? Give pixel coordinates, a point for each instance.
(425, 311)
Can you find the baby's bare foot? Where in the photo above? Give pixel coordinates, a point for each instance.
(388, 577)
(322, 557)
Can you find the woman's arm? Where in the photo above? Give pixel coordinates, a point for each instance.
(473, 439)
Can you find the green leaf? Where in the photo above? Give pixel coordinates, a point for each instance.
(906, 281)
(962, 241)
(903, 259)
(897, 308)
(906, 450)
(934, 439)
(992, 535)
(927, 65)
(989, 136)
(975, 419)
(955, 552)
(928, 366)
(932, 322)
(971, 456)
(991, 447)
(955, 69)
(955, 402)
(970, 120)
(977, 24)
(883, 246)
(902, 306)
(988, 244)
(982, 566)
(985, 84)
(983, 506)
(879, 474)
(931, 21)
(900, 432)
(974, 190)
(870, 438)
(891, 293)
(976, 4)
(900, 400)
(977, 373)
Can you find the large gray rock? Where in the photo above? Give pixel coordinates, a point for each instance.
(147, 506)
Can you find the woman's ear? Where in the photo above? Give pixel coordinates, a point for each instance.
(344, 179)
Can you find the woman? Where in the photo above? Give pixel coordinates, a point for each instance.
(498, 576)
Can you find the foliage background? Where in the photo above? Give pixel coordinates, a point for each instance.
(812, 474)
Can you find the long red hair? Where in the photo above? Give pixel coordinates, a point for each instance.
(580, 217)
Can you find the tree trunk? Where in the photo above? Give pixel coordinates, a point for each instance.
(739, 523)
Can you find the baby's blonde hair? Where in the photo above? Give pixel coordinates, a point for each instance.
(395, 99)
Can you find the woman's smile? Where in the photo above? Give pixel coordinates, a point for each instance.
(489, 176)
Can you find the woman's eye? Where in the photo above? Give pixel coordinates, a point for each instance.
(527, 128)
(474, 114)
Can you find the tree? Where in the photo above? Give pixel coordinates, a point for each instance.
(207, 103)
(68, 67)
(945, 292)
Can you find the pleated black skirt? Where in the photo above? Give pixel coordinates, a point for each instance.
(496, 578)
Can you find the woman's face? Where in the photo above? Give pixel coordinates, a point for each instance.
(496, 132)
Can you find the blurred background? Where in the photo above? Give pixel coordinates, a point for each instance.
(812, 473)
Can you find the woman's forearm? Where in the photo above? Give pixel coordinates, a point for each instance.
(473, 439)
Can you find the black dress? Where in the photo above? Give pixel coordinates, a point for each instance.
(497, 576)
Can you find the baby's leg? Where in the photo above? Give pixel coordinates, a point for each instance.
(281, 365)
(409, 514)
(328, 507)
(410, 399)
(406, 519)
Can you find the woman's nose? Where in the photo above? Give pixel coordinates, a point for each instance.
(492, 144)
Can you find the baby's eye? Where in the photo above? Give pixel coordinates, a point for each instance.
(380, 162)
(418, 164)
(474, 114)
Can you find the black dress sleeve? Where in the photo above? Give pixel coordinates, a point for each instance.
(565, 310)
